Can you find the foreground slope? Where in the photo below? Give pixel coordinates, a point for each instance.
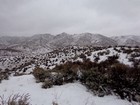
(68, 94)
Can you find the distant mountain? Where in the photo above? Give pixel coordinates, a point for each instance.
(83, 39)
(47, 42)
(37, 41)
(93, 39)
(129, 40)
(33, 43)
(10, 40)
(62, 40)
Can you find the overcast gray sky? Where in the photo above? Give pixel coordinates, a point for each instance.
(107, 17)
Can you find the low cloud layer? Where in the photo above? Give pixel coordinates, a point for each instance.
(108, 17)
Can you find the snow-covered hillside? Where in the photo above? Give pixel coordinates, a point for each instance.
(16, 64)
(129, 40)
(24, 62)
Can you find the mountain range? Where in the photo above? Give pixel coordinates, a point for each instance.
(48, 41)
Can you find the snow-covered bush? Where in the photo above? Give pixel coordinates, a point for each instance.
(15, 100)
(47, 84)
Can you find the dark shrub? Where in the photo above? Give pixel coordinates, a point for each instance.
(83, 56)
(39, 74)
(4, 75)
(102, 78)
(124, 80)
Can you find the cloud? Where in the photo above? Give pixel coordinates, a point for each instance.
(109, 17)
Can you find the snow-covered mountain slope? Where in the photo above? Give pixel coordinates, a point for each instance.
(61, 40)
(68, 94)
(35, 43)
(93, 39)
(84, 39)
(49, 41)
(129, 40)
(10, 40)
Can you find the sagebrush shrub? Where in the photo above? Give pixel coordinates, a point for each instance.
(102, 78)
(39, 74)
(4, 76)
(16, 99)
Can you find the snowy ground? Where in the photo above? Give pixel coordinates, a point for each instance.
(69, 94)
(123, 57)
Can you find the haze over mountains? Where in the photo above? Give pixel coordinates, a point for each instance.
(48, 41)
